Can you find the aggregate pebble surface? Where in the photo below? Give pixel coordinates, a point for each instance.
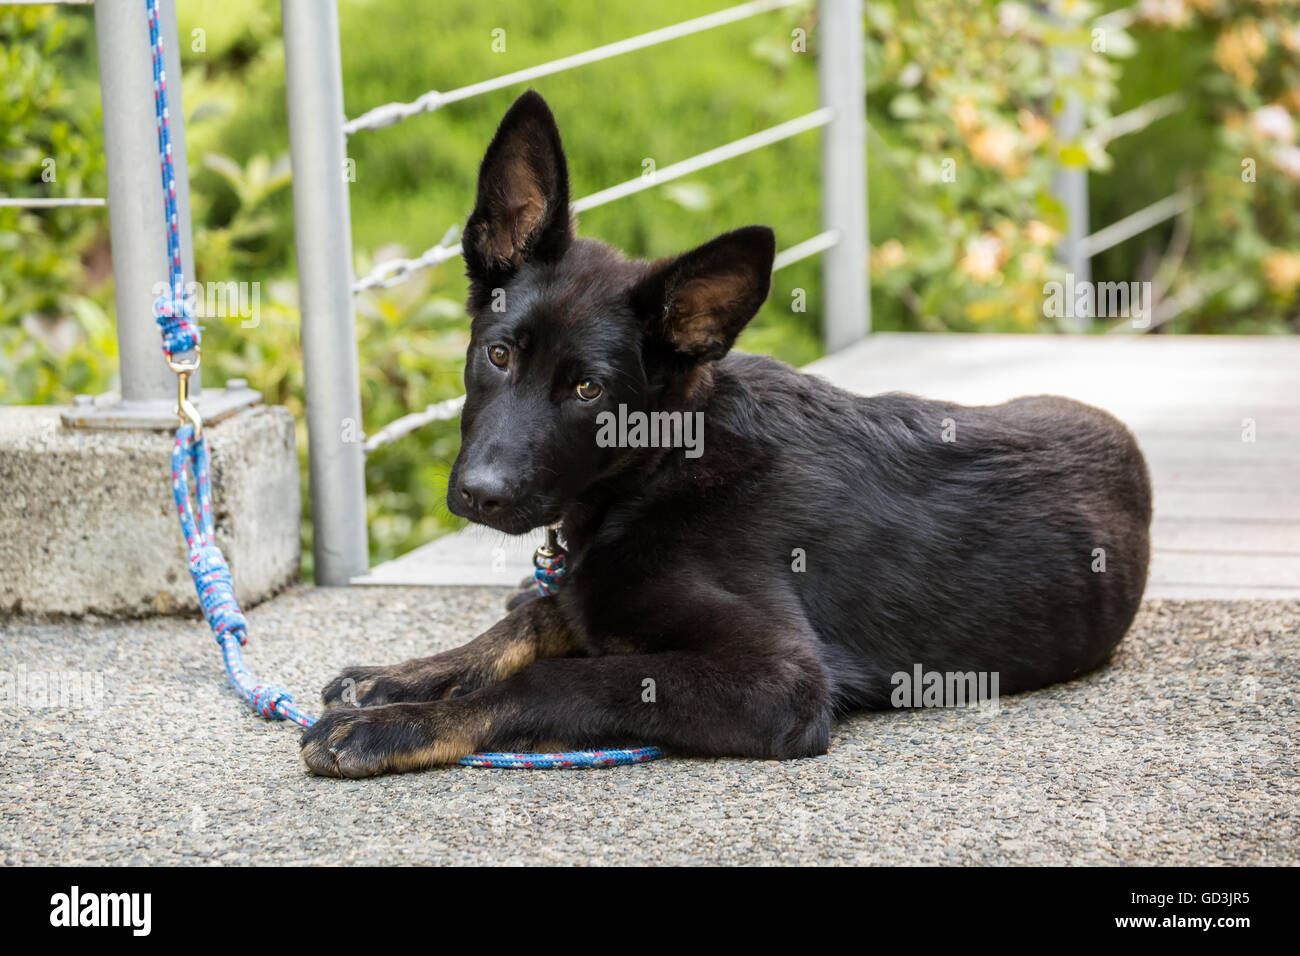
(1181, 751)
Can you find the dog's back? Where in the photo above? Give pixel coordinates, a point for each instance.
(1009, 538)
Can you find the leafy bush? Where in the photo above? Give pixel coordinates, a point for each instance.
(55, 339)
(961, 99)
(1237, 260)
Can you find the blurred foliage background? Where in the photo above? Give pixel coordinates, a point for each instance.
(961, 98)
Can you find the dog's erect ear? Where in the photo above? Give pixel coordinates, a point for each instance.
(522, 211)
(700, 301)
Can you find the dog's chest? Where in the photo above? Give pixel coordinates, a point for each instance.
(608, 617)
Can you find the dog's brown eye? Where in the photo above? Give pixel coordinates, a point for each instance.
(499, 355)
(588, 391)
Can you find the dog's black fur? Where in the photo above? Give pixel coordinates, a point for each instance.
(971, 554)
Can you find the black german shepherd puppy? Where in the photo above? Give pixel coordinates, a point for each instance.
(730, 603)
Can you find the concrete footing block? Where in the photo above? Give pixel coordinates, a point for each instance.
(88, 524)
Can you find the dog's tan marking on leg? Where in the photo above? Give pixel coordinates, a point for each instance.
(454, 736)
(513, 657)
(538, 631)
(446, 750)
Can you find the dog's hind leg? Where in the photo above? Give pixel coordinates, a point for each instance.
(773, 706)
(533, 630)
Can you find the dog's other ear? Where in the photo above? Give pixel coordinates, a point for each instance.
(700, 301)
(522, 210)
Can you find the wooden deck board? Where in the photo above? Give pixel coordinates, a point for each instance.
(1227, 519)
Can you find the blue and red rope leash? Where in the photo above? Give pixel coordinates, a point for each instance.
(211, 574)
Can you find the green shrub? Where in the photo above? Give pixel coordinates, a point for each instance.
(55, 339)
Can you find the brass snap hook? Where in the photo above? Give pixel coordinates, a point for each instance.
(185, 409)
(551, 548)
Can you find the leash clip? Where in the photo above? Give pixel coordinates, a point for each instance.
(549, 562)
(550, 548)
(186, 410)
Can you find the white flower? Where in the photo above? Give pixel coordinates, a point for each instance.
(1288, 159)
(1012, 17)
(983, 257)
(1163, 12)
(1274, 122)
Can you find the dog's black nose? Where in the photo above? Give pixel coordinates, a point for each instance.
(484, 492)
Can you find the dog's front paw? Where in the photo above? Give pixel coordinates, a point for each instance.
(365, 741)
(356, 687)
(430, 678)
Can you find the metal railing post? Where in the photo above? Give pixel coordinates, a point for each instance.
(323, 238)
(1070, 187)
(135, 198)
(844, 174)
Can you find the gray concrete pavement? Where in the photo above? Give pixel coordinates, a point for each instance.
(1182, 751)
